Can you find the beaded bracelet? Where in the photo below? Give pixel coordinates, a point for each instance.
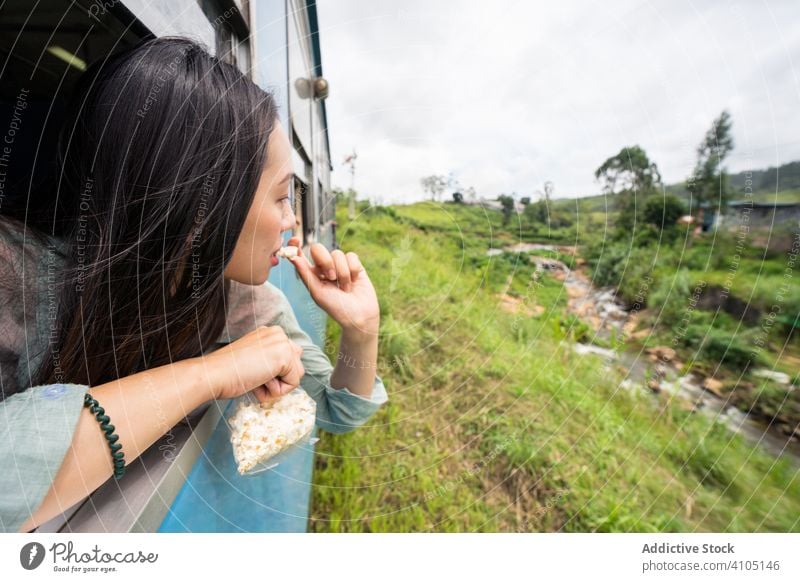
(103, 419)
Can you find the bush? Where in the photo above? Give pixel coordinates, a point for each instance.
(670, 298)
(376, 210)
(717, 344)
(736, 350)
(628, 269)
(663, 212)
(574, 328)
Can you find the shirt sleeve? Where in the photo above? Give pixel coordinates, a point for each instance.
(36, 430)
(338, 409)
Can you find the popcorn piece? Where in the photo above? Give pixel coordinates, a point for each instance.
(287, 252)
(261, 431)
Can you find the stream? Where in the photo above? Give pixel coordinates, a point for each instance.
(657, 369)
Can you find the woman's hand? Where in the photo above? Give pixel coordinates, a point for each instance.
(265, 361)
(339, 284)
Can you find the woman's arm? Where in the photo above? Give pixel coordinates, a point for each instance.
(340, 285)
(142, 407)
(357, 364)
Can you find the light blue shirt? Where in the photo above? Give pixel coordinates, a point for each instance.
(37, 424)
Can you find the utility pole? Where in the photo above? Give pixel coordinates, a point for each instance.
(350, 160)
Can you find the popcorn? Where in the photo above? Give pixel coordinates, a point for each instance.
(287, 252)
(259, 431)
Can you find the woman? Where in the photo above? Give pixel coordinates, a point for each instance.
(139, 277)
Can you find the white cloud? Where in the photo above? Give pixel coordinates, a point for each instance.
(508, 98)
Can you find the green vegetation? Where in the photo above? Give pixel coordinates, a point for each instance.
(708, 184)
(495, 424)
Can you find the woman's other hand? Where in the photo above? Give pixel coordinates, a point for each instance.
(265, 361)
(339, 284)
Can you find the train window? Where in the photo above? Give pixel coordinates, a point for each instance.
(322, 204)
(232, 34)
(304, 212)
(45, 49)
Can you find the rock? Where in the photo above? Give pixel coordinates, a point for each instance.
(654, 385)
(778, 377)
(515, 305)
(714, 386)
(663, 353)
(661, 370)
(583, 349)
(576, 293)
(690, 405)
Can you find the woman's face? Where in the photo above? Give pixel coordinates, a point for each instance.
(270, 215)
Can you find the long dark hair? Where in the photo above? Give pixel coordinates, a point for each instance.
(159, 160)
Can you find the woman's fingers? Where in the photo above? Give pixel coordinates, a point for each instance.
(323, 261)
(307, 273)
(273, 389)
(342, 270)
(355, 265)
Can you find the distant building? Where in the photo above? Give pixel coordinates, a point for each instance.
(761, 214)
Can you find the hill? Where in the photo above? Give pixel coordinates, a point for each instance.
(781, 184)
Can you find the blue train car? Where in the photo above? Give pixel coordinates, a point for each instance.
(186, 481)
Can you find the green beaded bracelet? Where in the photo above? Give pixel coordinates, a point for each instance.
(101, 416)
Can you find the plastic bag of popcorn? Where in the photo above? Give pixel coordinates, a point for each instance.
(263, 433)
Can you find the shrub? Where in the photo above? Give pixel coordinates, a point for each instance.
(663, 212)
(670, 298)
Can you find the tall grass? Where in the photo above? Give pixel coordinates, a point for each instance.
(495, 424)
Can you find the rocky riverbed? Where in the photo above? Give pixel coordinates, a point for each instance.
(657, 371)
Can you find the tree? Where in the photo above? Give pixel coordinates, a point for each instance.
(632, 177)
(525, 200)
(708, 183)
(472, 195)
(458, 197)
(549, 188)
(629, 171)
(507, 203)
(452, 183)
(435, 185)
(538, 212)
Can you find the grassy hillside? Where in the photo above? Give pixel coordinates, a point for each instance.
(495, 424)
(602, 203)
(781, 185)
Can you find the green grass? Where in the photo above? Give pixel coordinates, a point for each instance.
(494, 424)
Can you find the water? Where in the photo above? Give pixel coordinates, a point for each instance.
(607, 316)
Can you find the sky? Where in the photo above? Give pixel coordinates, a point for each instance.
(509, 95)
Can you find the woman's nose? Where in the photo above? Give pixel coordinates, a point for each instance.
(288, 219)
